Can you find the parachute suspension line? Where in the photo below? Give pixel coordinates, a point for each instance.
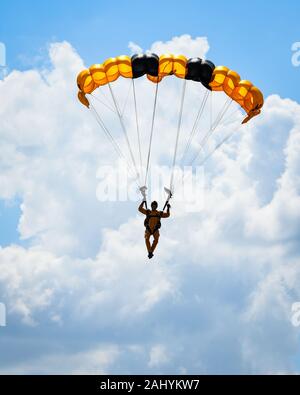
(137, 125)
(194, 129)
(107, 99)
(177, 136)
(211, 110)
(109, 136)
(223, 141)
(106, 131)
(225, 138)
(151, 133)
(124, 130)
(102, 102)
(229, 116)
(127, 97)
(221, 114)
(196, 123)
(216, 148)
(213, 127)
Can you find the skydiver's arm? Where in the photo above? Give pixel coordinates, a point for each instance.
(167, 214)
(141, 208)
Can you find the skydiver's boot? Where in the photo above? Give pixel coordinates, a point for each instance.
(150, 255)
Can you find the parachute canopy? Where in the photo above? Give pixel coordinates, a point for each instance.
(156, 68)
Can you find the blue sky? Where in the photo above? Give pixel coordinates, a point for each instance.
(9, 217)
(254, 38)
(79, 295)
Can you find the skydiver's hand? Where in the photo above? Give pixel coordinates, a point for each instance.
(168, 206)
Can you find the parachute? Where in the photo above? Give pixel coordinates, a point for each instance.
(156, 69)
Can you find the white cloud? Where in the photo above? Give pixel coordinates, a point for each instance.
(181, 45)
(95, 362)
(135, 48)
(158, 356)
(185, 45)
(217, 296)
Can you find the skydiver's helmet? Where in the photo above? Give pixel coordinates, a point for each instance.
(154, 205)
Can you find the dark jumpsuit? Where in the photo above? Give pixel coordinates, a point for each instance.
(154, 217)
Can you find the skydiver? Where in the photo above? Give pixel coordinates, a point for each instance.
(152, 224)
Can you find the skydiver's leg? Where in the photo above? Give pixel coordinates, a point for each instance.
(147, 240)
(155, 241)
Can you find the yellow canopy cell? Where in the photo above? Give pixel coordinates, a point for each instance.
(85, 82)
(124, 65)
(165, 65)
(179, 66)
(99, 75)
(240, 92)
(111, 68)
(218, 78)
(231, 81)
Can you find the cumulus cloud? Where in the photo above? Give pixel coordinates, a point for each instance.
(185, 44)
(216, 298)
(95, 361)
(134, 48)
(158, 356)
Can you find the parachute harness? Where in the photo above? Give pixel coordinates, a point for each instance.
(146, 222)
